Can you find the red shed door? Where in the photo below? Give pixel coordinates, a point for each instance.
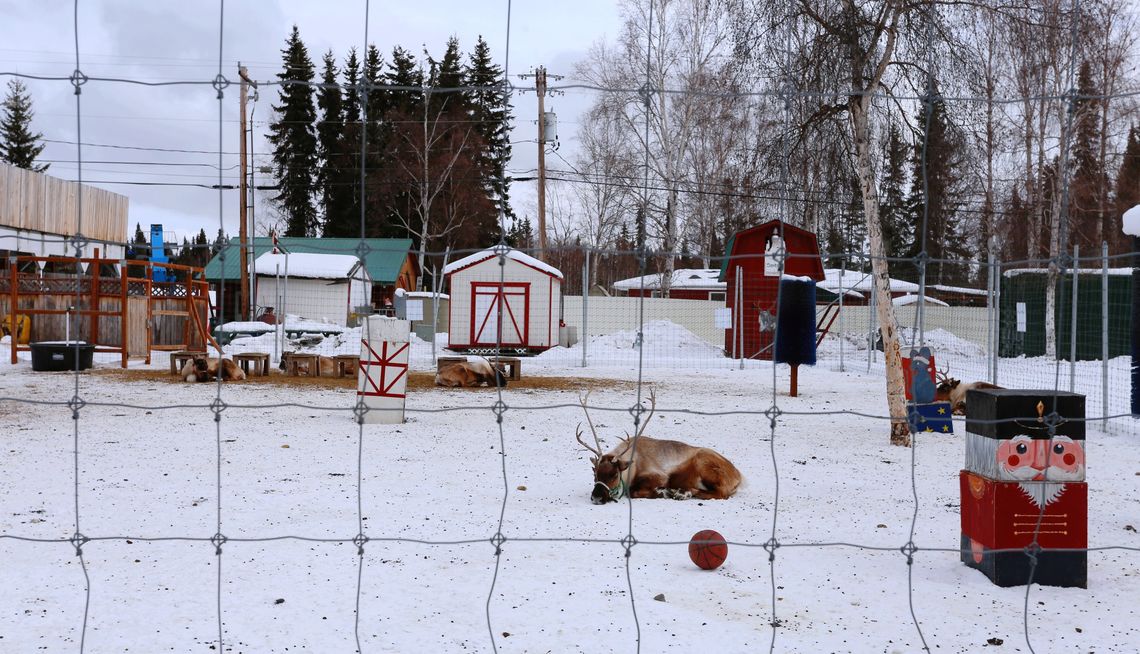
(491, 299)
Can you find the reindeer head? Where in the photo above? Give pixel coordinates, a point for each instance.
(609, 483)
(946, 384)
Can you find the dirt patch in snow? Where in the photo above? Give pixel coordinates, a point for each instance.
(416, 380)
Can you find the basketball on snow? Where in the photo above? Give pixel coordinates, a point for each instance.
(708, 549)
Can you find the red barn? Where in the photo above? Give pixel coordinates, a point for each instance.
(751, 251)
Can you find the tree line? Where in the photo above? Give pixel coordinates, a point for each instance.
(765, 109)
(403, 147)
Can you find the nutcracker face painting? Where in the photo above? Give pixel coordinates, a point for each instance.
(1040, 466)
(1025, 459)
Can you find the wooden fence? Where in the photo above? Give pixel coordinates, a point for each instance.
(105, 307)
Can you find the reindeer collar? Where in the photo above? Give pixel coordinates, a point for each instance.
(619, 491)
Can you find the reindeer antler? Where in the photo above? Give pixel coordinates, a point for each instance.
(652, 408)
(598, 452)
(943, 375)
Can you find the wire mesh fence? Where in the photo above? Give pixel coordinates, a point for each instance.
(290, 523)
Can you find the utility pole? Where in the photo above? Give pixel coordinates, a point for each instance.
(243, 189)
(546, 134)
(540, 90)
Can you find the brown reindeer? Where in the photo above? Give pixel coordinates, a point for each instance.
(644, 467)
(201, 369)
(471, 373)
(954, 391)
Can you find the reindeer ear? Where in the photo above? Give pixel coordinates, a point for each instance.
(594, 461)
(621, 465)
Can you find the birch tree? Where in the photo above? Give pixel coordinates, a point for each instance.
(667, 51)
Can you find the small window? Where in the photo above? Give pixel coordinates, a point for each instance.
(716, 296)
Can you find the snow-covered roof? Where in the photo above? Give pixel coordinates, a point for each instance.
(904, 300)
(1081, 271)
(693, 278)
(428, 295)
(961, 290)
(854, 280)
(318, 266)
(511, 254)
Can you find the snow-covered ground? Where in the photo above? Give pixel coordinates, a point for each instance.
(432, 494)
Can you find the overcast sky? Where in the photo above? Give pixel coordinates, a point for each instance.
(155, 41)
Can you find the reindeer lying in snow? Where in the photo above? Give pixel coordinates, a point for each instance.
(471, 373)
(954, 391)
(202, 369)
(644, 467)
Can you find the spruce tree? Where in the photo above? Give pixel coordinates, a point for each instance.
(349, 150)
(1127, 190)
(1088, 190)
(18, 145)
(936, 159)
(294, 141)
(329, 152)
(492, 115)
(897, 227)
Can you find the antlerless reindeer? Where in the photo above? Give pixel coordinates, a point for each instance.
(644, 467)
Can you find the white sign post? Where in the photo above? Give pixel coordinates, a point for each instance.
(383, 372)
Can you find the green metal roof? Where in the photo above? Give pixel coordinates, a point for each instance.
(383, 256)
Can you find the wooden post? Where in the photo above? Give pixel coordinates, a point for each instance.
(95, 300)
(795, 380)
(149, 309)
(124, 322)
(189, 307)
(15, 299)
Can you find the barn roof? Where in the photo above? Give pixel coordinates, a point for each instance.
(788, 229)
(482, 256)
(383, 259)
(693, 278)
(315, 266)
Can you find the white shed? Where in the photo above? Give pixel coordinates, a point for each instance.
(328, 287)
(525, 295)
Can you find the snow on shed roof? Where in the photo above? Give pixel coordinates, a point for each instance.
(698, 278)
(854, 280)
(511, 254)
(904, 300)
(1068, 271)
(961, 290)
(317, 266)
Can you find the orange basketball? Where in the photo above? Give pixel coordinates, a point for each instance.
(707, 549)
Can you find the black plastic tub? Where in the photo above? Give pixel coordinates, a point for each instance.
(61, 355)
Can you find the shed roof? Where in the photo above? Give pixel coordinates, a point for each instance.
(516, 255)
(383, 259)
(855, 280)
(316, 266)
(693, 278)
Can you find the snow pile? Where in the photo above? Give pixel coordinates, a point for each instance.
(1132, 221)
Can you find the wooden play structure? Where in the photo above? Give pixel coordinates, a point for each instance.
(118, 308)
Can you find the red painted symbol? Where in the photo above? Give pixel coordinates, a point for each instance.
(390, 371)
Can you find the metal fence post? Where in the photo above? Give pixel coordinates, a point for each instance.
(871, 323)
(1073, 321)
(997, 320)
(990, 309)
(740, 306)
(585, 304)
(842, 332)
(1104, 332)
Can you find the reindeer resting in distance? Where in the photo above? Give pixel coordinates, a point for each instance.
(644, 467)
(954, 391)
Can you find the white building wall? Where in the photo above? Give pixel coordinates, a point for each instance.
(543, 311)
(314, 299)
